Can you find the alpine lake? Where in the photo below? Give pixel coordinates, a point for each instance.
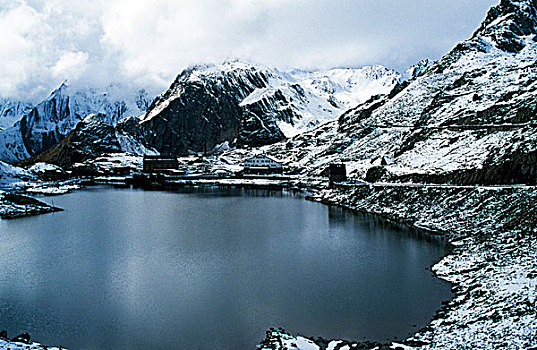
(211, 268)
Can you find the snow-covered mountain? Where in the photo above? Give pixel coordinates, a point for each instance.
(206, 105)
(12, 111)
(468, 118)
(253, 105)
(347, 87)
(44, 125)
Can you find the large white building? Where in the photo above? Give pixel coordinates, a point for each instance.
(261, 163)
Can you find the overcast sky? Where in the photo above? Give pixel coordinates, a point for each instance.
(147, 43)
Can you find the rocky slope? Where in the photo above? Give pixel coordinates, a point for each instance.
(250, 105)
(47, 123)
(470, 118)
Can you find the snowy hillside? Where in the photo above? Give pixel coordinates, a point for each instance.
(50, 121)
(312, 98)
(10, 174)
(348, 87)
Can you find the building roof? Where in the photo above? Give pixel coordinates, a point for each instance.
(159, 157)
(259, 156)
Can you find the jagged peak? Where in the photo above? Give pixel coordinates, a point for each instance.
(509, 10)
(507, 22)
(241, 63)
(60, 90)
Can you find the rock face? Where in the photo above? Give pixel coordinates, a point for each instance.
(46, 124)
(509, 24)
(201, 109)
(469, 118)
(250, 105)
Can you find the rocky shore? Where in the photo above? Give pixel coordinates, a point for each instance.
(14, 205)
(493, 264)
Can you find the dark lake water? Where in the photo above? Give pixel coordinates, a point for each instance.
(210, 269)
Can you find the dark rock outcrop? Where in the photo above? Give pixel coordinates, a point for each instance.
(35, 127)
(22, 338)
(508, 22)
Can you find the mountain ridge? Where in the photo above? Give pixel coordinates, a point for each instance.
(251, 105)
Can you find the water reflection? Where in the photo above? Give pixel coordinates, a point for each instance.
(338, 215)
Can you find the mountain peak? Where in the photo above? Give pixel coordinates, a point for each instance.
(60, 92)
(508, 23)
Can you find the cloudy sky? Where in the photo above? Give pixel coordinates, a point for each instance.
(147, 43)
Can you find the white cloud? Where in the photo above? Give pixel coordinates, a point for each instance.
(148, 43)
(71, 65)
(17, 47)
